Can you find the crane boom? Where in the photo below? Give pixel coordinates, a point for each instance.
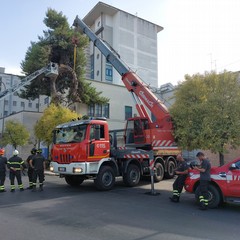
(50, 70)
(130, 79)
(147, 132)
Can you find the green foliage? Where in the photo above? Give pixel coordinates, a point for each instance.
(15, 134)
(52, 116)
(206, 112)
(57, 45)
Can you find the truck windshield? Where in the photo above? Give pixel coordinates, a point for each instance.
(71, 134)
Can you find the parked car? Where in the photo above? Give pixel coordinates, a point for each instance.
(224, 186)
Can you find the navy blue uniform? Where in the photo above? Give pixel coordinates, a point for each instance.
(30, 171)
(3, 163)
(38, 162)
(205, 179)
(15, 164)
(179, 182)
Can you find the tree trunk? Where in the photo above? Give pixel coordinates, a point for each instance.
(221, 159)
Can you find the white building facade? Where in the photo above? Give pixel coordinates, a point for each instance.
(133, 38)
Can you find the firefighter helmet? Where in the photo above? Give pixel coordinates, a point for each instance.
(33, 151)
(2, 151)
(39, 151)
(15, 152)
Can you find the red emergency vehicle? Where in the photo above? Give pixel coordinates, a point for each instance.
(224, 186)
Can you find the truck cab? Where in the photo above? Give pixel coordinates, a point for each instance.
(224, 186)
(79, 145)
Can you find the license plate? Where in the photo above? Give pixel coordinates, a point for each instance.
(62, 169)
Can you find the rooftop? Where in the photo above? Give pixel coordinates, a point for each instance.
(104, 8)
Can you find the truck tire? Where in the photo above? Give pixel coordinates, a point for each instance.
(159, 172)
(170, 169)
(74, 181)
(105, 179)
(214, 196)
(132, 177)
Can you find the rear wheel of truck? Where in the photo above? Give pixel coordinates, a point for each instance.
(170, 169)
(159, 172)
(214, 196)
(132, 177)
(105, 179)
(74, 181)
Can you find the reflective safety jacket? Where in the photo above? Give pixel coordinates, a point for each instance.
(3, 162)
(15, 163)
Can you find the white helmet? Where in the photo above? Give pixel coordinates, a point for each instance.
(15, 152)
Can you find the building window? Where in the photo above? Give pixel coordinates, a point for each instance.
(5, 113)
(98, 110)
(5, 102)
(1, 83)
(105, 110)
(29, 104)
(128, 112)
(92, 66)
(14, 103)
(37, 105)
(109, 73)
(46, 100)
(23, 105)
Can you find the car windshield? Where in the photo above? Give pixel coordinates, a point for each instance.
(71, 134)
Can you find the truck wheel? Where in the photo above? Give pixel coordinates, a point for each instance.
(74, 181)
(170, 169)
(132, 177)
(105, 179)
(159, 172)
(214, 197)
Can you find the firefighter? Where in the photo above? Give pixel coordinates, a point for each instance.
(205, 178)
(15, 165)
(38, 165)
(3, 163)
(30, 169)
(181, 172)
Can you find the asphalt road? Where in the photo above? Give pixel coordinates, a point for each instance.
(62, 212)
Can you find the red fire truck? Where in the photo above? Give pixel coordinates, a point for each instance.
(224, 187)
(143, 136)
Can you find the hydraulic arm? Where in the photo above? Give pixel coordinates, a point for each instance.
(50, 70)
(141, 92)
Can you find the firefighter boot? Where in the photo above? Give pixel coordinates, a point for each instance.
(34, 189)
(174, 198)
(41, 187)
(202, 206)
(30, 186)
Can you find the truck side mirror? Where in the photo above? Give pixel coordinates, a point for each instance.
(233, 166)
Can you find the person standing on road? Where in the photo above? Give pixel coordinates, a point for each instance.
(38, 165)
(181, 172)
(15, 165)
(30, 169)
(3, 163)
(205, 178)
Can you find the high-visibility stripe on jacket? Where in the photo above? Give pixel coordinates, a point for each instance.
(15, 162)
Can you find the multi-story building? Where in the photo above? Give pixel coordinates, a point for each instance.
(133, 38)
(13, 103)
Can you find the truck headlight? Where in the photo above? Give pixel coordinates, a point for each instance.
(77, 170)
(51, 168)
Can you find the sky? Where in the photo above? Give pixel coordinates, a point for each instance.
(198, 35)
